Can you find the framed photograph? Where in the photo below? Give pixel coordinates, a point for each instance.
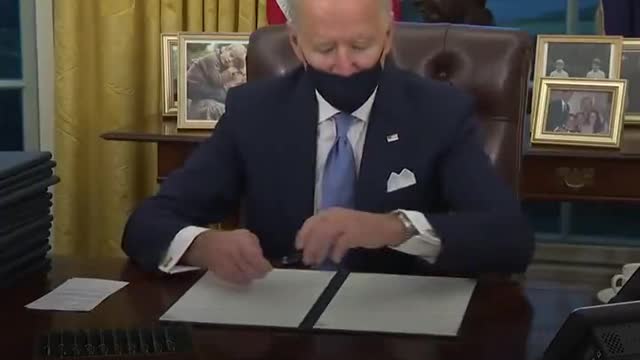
(569, 56)
(579, 112)
(169, 56)
(209, 65)
(630, 71)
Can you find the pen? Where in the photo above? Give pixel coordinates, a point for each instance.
(144, 347)
(154, 342)
(47, 345)
(89, 346)
(75, 349)
(288, 260)
(130, 346)
(171, 346)
(116, 343)
(102, 347)
(61, 345)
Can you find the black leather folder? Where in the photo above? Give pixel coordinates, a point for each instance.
(34, 178)
(36, 266)
(27, 192)
(16, 223)
(15, 162)
(15, 266)
(26, 232)
(23, 208)
(24, 246)
(33, 172)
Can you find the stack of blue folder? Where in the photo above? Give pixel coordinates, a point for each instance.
(25, 214)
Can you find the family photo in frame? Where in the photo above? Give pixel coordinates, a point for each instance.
(569, 56)
(169, 47)
(630, 70)
(198, 69)
(579, 112)
(209, 65)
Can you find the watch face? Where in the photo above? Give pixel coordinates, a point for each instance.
(408, 225)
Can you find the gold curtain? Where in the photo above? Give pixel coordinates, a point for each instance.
(108, 78)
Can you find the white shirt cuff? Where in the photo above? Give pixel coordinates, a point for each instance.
(427, 244)
(177, 248)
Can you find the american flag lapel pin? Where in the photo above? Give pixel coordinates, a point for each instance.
(392, 138)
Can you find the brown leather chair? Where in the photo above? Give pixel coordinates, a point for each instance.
(473, 12)
(493, 64)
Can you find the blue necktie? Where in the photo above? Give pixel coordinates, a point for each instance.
(339, 179)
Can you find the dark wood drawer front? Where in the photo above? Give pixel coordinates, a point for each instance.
(171, 156)
(580, 178)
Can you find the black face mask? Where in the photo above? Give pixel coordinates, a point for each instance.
(346, 93)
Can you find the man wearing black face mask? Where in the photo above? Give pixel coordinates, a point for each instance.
(347, 161)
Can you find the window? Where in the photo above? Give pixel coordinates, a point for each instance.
(18, 76)
(546, 16)
(10, 117)
(10, 57)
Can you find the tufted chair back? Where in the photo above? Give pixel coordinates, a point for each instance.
(492, 64)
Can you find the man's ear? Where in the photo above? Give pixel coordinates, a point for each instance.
(294, 40)
(388, 42)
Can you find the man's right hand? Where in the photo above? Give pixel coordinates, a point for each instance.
(234, 256)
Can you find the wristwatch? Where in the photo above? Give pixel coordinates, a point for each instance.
(409, 229)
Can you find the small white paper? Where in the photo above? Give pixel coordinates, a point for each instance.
(77, 294)
(281, 299)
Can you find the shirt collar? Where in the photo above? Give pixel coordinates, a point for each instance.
(326, 111)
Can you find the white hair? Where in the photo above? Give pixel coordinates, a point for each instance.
(293, 9)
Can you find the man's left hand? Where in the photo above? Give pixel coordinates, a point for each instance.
(333, 232)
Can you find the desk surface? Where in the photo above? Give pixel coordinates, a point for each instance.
(629, 148)
(505, 320)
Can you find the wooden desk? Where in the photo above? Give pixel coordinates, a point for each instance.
(172, 151)
(548, 173)
(505, 320)
(567, 174)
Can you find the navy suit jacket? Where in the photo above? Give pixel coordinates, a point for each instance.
(262, 155)
(557, 115)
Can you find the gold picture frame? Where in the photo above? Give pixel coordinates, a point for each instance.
(630, 70)
(564, 115)
(169, 55)
(577, 47)
(209, 64)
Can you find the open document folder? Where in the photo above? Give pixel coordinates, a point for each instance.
(282, 299)
(332, 301)
(398, 304)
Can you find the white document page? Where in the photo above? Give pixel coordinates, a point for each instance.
(77, 294)
(399, 304)
(282, 299)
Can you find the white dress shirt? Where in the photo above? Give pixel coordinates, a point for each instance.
(559, 73)
(596, 74)
(426, 244)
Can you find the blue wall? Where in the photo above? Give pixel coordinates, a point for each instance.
(535, 16)
(542, 16)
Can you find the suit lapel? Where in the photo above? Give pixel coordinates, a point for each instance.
(298, 152)
(381, 154)
(298, 139)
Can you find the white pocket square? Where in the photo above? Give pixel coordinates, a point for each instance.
(400, 181)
